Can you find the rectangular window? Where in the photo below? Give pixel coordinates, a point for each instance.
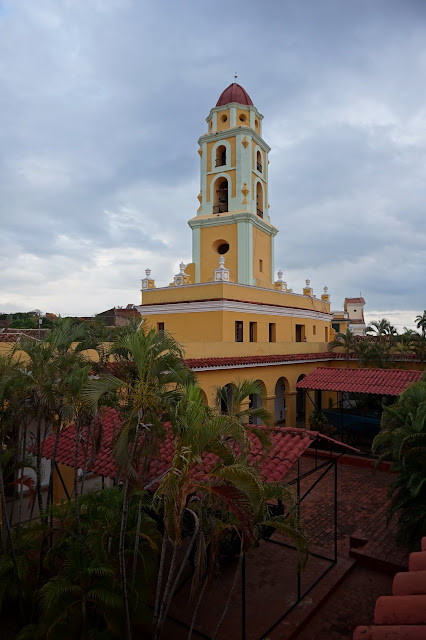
(272, 332)
(326, 334)
(239, 336)
(253, 331)
(261, 266)
(300, 333)
(336, 327)
(314, 330)
(160, 326)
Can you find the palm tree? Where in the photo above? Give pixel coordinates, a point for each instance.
(80, 598)
(345, 341)
(152, 371)
(230, 507)
(383, 335)
(406, 345)
(421, 323)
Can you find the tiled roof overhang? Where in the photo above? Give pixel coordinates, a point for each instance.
(390, 382)
(239, 362)
(287, 446)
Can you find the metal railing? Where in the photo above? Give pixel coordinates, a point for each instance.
(220, 208)
(260, 213)
(259, 167)
(220, 162)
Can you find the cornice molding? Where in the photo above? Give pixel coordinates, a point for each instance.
(232, 306)
(232, 218)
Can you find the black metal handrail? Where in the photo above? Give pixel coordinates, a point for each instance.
(260, 213)
(220, 162)
(220, 208)
(259, 167)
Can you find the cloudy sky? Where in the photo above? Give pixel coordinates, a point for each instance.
(101, 106)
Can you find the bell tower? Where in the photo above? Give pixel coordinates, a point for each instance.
(233, 217)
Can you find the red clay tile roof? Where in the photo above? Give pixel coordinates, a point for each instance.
(355, 300)
(401, 616)
(234, 93)
(380, 381)
(288, 445)
(238, 361)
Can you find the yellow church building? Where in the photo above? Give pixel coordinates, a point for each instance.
(233, 316)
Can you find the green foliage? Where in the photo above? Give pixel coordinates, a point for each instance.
(402, 439)
(85, 568)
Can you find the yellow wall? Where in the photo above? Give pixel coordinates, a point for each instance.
(262, 251)
(212, 333)
(232, 291)
(223, 125)
(209, 257)
(243, 112)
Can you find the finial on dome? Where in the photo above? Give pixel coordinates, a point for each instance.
(235, 75)
(308, 283)
(148, 272)
(325, 290)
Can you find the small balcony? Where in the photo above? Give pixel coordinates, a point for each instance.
(259, 167)
(260, 213)
(220, 208)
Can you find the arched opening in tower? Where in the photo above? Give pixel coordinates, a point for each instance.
(259, 200)
(259, 162)
(221, 156)
(221, 196)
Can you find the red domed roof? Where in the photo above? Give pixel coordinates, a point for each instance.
(234, 93)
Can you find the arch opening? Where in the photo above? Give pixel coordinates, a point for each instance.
(279, 403)
(259, 200)
(259, 165)
(256, 402)
(221, 156)
(220, 204)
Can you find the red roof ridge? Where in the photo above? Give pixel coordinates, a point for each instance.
(355, 300)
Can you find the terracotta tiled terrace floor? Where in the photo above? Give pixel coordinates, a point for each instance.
(362, 511)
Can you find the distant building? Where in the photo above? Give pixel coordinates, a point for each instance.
(119, 317)
(352, 317)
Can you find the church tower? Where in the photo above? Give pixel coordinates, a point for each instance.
(233, 218)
